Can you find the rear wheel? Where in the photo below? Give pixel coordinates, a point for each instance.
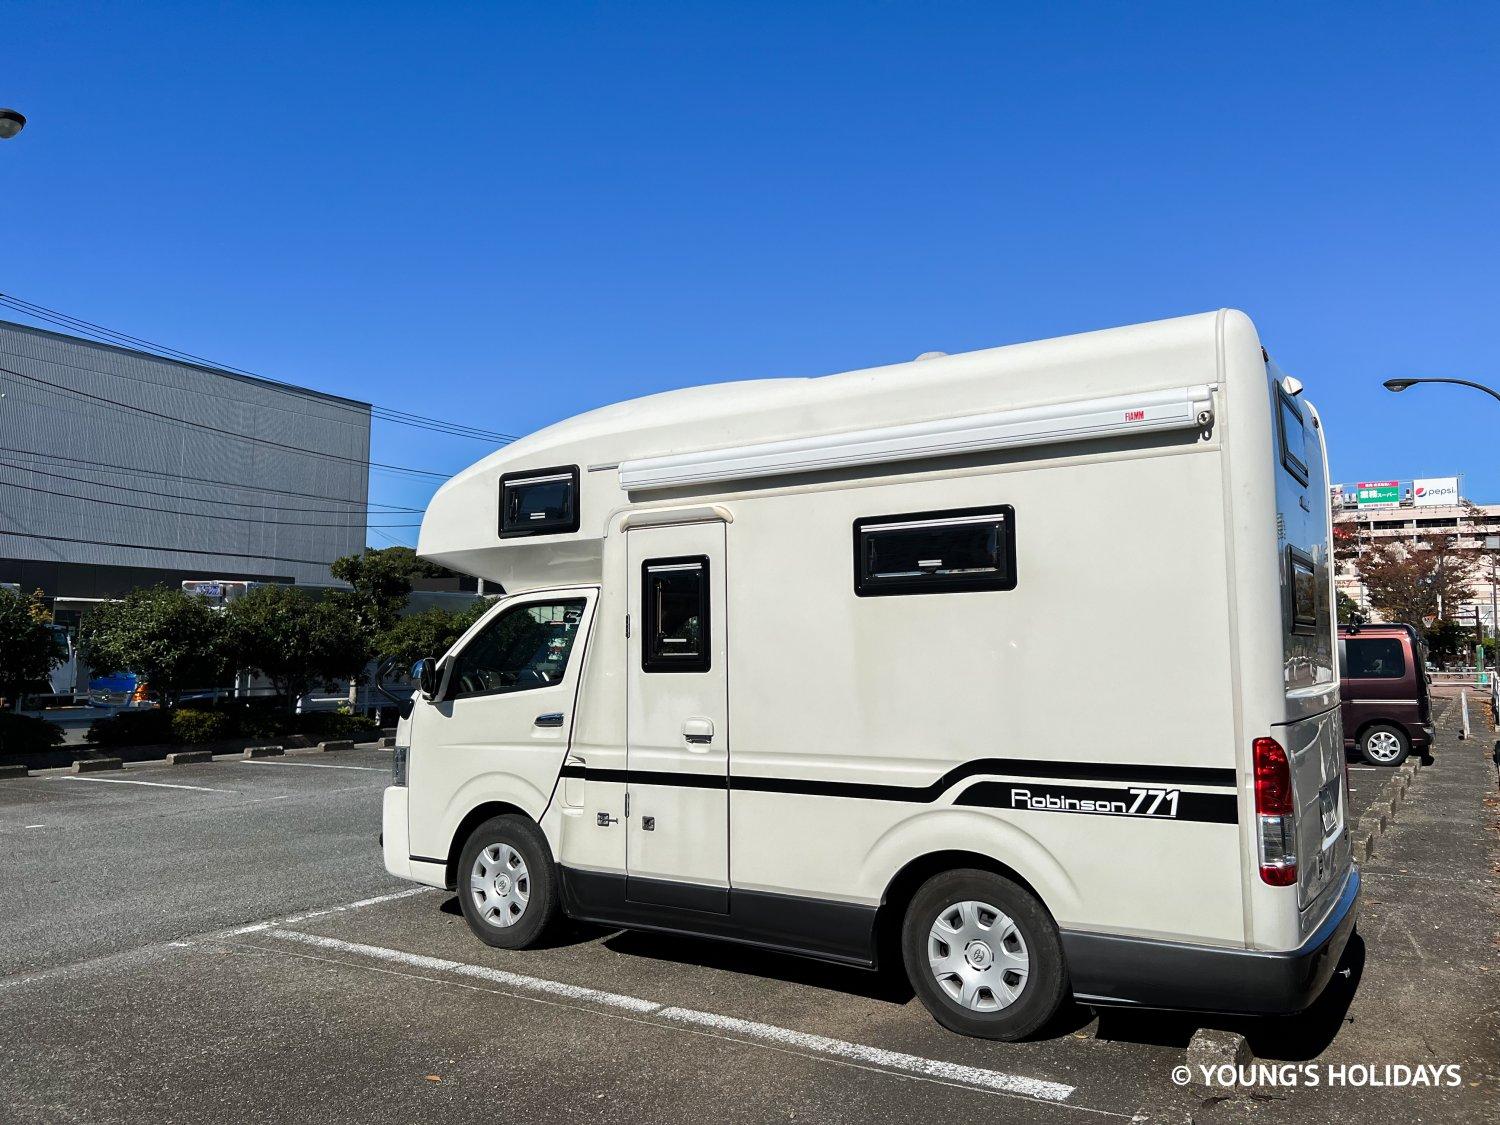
(1384, 745)
(983, 954)
(506, 882)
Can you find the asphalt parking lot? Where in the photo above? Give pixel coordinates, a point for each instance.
(219, 942)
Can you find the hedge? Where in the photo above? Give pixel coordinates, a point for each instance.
(23, 734)
(208, 724)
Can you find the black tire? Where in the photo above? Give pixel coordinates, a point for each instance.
(531, 921)
(1045, 985)
(1375, 744)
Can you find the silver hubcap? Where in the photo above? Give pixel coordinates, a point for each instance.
(500, 884)
(1383, 746)
(978, 957)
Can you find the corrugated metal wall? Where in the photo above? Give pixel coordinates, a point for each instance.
(110, 464)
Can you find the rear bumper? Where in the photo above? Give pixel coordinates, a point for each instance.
(1422, 736)
(1107, 969)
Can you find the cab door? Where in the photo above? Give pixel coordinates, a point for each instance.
(501, 725)
(677, 718)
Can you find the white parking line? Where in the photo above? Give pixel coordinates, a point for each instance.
(310, 765)
(152, 784)
(207, 935)
(254, 927)
(779, 1036)
(876, 1056)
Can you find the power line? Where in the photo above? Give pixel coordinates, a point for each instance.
(168, 550)
(191, 499)
(198, 515)
(107, 467)
(391, 539)
(112, 336)
(59, 388)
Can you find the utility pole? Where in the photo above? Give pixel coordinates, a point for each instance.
(1478, 646)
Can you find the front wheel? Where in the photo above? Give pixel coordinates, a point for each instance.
(983, 954)
(1384, 745)
(507, 885)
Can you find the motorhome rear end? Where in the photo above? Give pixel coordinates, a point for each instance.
(1016, 665)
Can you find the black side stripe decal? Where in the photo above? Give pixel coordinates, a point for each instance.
(651, 777)
(924, 794)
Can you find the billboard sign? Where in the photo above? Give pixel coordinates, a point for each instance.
(1435, 490)
(1378, 494)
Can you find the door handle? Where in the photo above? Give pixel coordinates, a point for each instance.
(698, 731)
(550, 719)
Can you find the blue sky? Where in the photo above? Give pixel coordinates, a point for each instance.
(506, 214)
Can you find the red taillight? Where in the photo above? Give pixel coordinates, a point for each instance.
(1275, 811)
(1273, 779)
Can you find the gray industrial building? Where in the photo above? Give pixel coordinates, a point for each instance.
(121, 469)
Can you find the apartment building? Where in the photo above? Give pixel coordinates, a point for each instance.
(1406, 510)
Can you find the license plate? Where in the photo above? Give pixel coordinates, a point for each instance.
(1328, 807)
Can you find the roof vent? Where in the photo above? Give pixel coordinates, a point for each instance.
(930, 355)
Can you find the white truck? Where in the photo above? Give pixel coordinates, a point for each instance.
(1016, 667)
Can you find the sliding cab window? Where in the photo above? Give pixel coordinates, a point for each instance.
(539, 502)
(675, 615)
(1302, 592)
(1293, 435)
(1372, 658)
(524, 648)
(943, 552)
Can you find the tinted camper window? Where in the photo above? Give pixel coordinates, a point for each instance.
(1302, 591)
(674, 614)
(935, 552)
(539, 502)
(1293, 436)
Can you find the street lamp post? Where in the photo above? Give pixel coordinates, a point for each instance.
(1492, 546)
(1402, 384)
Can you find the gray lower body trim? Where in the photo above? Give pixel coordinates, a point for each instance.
(1109, 969)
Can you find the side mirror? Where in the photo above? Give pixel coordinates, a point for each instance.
(424, 671)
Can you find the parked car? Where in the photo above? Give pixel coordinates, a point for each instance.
(1387, 709)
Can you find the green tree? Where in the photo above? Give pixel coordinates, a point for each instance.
(1448, 640)
(382, 580)
(171, 640)
(28, 648)
(429, 633)
(1349, 610)
(296, 640)
(1408, 581)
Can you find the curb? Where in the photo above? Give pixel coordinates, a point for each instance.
(95, 765)
(13, 771)
(387, 742)
(1211, 1048)
(1382, 813)
(263, 751)
(188, 757)
(339, 744)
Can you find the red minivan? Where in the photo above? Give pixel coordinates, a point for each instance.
(1386, 709)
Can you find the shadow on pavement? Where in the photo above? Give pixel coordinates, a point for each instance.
(1298, 1038)
(887, 988)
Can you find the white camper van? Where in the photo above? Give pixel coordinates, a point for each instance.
(1016, 667)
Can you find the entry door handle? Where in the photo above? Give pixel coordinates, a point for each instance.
(698, 731)
(550, 719)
